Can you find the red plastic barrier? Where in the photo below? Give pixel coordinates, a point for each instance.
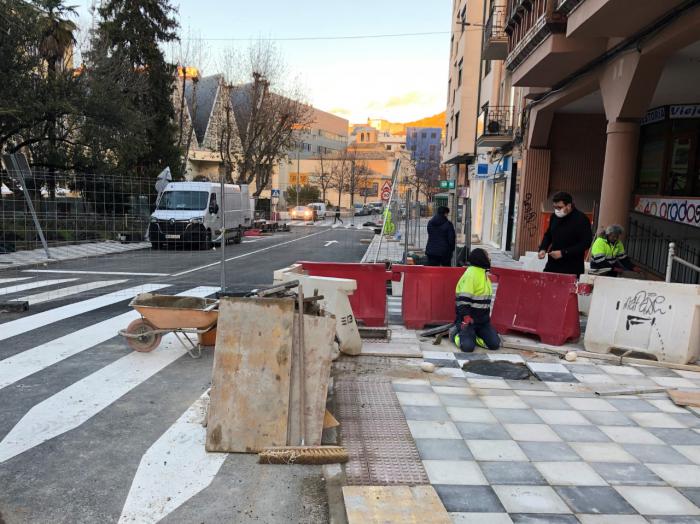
(542, 304)
(369, 300)
(428, 294)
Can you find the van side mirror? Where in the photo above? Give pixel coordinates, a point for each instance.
(214, 208)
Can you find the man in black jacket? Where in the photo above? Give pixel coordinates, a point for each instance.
(441, 239)
(567, 238)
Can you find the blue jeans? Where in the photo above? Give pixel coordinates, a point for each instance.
(486, 332)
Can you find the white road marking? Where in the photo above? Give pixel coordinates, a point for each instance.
(71, 407)
(21, 365)
(78, 272)
(6, 280)
(330, 242)
(33, 285)
(67, 291)
(22, 325)
(248, 254)
(173, 470)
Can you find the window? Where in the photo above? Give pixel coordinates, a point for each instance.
(433, 147)
(424, 135)
(447, 133)
(459, 73)
(457, 124)
(433, 135)
(388, 147)
(487, 67)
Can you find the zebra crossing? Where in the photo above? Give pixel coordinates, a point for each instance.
(346, 224)
(172, 465)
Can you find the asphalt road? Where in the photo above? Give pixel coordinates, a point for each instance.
(93, 432)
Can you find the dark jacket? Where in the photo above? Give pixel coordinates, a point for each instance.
(441, 237)
(572, 236)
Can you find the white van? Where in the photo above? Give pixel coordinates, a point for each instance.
(191, 214)
(320, 210)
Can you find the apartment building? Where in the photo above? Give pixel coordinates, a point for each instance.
(482, 146)
(612, 116)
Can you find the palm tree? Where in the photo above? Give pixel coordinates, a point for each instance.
(56, 39)
(56, 33)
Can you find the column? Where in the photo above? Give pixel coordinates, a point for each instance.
(534, 185)
(618, 173)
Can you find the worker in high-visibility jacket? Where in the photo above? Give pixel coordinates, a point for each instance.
(608, 257)
(389, 227)
(474, 292)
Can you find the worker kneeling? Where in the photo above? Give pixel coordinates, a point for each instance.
(473, 325)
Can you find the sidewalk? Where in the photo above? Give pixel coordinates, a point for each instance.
(544, 449)
(70, 252)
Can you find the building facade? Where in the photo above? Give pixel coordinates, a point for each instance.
(613, 117)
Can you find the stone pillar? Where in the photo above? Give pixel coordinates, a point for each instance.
(618, 173)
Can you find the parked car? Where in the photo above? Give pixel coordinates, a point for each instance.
(321, 211)
(361, 210)
(376, 208)
(189, 214)
(303, 213)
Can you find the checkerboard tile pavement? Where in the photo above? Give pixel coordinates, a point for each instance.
(505, 451)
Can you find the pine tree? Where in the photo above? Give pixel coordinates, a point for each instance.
(132, 31)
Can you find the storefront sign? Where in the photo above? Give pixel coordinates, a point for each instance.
(654, 115)
(682, 210)
(685, 111)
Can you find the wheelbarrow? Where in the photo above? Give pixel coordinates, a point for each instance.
(182, 316)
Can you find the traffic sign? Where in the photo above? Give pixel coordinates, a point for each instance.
(275, 193)
(447, 184)
(386, 191)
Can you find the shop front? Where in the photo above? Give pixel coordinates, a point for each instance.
(667, 189)
(492, 200)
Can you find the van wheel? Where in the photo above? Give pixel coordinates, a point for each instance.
(206, 243)
(239, 237)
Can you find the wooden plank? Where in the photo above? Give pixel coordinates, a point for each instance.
(319, 334)
(685, 398)
(251, 377)
(394, 505)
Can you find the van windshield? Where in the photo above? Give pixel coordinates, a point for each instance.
(183, 200)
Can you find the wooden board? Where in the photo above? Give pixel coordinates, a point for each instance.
(685, 398)
(251, 377)
(319, 334)
(394, 505)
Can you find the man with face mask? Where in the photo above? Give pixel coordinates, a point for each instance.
(567, 238)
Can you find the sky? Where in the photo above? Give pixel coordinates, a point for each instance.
(399, 79)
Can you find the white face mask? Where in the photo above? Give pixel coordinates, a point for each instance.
(560, 213)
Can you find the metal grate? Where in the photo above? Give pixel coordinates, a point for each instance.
(376, 435)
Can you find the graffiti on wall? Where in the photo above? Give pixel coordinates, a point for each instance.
(529, 216)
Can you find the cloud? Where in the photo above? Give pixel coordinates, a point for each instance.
(408, 99)
(340, 111)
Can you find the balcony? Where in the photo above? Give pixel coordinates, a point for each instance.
(566, 6)
(495, 37)
(494, 127)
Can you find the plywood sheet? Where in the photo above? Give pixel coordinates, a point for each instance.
(394, 505)
(319, 335)
(685, 398)
(251, 377)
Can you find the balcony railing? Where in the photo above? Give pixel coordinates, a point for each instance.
(529, 23)
(495, 37)
(495, 127)
(566, 6)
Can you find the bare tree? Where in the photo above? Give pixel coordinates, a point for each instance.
(357, 177)
(270, 115)
(341, 172)
(322, 176)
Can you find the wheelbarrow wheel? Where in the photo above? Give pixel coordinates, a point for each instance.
(147, 339)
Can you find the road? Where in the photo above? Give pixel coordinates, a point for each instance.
(93, 432)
